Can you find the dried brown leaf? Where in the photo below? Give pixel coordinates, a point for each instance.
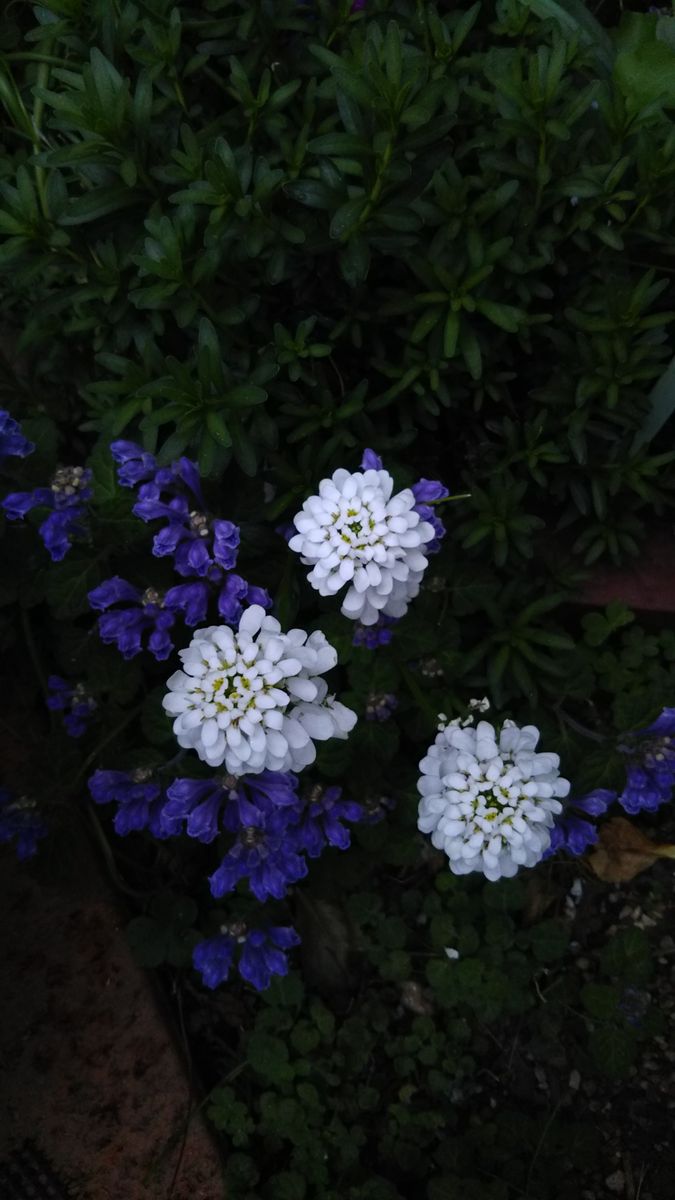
(622, 851)
(541, 896)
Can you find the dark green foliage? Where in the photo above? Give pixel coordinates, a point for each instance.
(247, 230)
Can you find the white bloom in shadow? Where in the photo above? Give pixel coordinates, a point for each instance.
(488, 800)
(253, 698)
(356, 535)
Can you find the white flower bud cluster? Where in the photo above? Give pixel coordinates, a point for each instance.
(253, 698)
(488, 800)
(355, 534)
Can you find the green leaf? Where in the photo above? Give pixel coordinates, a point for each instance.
(104, 475)
(355, 261)
(245, 396)
(601, 1000)
(344, 145)
(347, 217)
(268, 1056)
(627, 956)
(99, 202)
(310, 192)
(155, 723)
(645, 66)
(450, 334)
(577, 20)
(244, 450)
(506, 316)
(614, 1050)
(68, 584)
(217, 427)
(661, 407)
(549, 940)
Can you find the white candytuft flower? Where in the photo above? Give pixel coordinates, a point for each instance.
(253, 698)
(355, 534)
(488, 800)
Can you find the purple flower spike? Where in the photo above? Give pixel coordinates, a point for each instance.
(572, 832)
(67, 496)
(20, 824)
(199, 802)
(261, 954)
(139, 799)
(144, 613)
(264, 853)
(136, 465)
(321, 823)
(214, 959)
(197, 542)
(650, 772)
(73, 701)
(12, 442)
(225, 802)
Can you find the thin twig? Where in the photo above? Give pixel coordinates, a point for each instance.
(102, 745)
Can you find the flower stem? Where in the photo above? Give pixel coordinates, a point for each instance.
(131, 716)
(582, 729)
(33, 651)
(110, 859)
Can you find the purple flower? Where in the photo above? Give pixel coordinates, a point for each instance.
(371, 461)
(66, 496)
(197, 542)
(201, 546)
(224, 801)
(20, 823)
(265, 852)
(261, 954)
(380, 706)
(321, 821)
(136, 465)
(145, 612)
(12, 442)
(140, 801)
(372, 636)
(572, 832)
(425, 491)
(358, 5)
(236, 594)
(74, 701)
(650, 773)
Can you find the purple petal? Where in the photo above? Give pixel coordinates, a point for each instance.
(371, 461)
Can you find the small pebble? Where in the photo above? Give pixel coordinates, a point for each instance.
(616, 1182)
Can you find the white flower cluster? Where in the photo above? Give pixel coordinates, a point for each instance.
(355, 534)
(488, 800)
(253, 698)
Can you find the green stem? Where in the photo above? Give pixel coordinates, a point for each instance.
(38, 110)
(106, 741)
(417, 693)
(447, 499)
(29, 56)
(33, 650)
(110, 859)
